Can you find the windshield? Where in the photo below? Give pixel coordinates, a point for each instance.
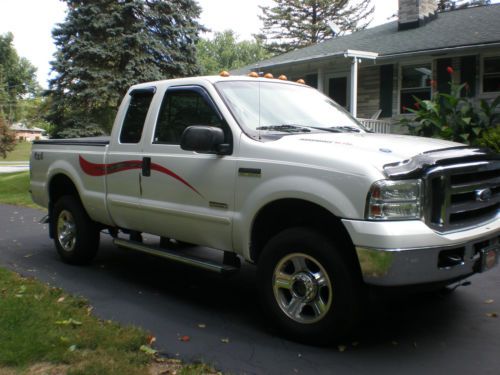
(282, 108)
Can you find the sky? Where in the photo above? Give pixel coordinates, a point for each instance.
(31, 22)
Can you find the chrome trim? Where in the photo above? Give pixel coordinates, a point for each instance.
(451, 195)
(411, 266)
(205, 264)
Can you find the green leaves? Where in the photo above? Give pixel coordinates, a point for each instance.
(104, 47)
(456, 118)
(292, 24)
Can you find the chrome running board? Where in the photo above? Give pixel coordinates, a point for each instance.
(205, 264)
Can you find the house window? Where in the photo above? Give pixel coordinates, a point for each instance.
(491, 74)
(415, 82)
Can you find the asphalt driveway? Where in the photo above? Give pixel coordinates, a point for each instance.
(423, 334)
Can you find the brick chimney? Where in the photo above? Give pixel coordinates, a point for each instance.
(415, 13)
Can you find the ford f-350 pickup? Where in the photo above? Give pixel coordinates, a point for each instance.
(277, 174)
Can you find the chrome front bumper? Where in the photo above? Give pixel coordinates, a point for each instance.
(413, 266)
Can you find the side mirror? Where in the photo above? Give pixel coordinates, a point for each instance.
(205, 140)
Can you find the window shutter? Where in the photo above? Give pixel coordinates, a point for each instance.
(386, 89)
(468, 75)
(443, 77)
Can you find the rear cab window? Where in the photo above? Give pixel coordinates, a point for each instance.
(133, 124)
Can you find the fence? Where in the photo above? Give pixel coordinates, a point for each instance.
(377, 126)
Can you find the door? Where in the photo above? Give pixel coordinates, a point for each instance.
(124, 162)
(186, 195)
(337, 90)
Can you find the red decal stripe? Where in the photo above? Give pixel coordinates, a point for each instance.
(93, 169)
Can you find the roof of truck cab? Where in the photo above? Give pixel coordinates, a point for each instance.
(207, 79)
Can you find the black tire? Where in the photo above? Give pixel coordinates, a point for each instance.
(315, 275)
(76, 236)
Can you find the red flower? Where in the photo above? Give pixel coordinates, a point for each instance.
(405, 109)
(449, 70)
(417, 105)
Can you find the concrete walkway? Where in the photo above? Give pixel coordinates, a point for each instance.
(14, 166)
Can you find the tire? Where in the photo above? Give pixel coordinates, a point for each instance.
(308, 289)
(76, 236)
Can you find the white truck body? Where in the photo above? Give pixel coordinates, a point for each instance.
(215, 199)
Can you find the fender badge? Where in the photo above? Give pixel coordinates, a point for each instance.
(483, 195)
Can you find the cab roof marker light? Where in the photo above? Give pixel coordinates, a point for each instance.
(283, 77)
(268, 75)
(301, 81)
(253, 74)
(224, 73)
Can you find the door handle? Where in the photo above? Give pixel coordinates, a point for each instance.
(146, 166)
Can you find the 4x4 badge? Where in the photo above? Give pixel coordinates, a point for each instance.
(483, 195)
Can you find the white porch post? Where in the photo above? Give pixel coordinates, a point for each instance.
(354, 87)
(356, 58)
(321, 80)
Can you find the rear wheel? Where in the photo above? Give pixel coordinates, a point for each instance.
(307, 286)
(76, 236)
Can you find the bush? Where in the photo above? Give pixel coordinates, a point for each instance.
(456, 118)
(491, 139)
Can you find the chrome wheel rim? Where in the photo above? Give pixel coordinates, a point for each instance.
(66, 230)
(302, 288)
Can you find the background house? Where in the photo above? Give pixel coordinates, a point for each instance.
(378, 71)
(24, 133)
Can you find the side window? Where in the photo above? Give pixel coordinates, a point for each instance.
(135, 117)
(180, 109)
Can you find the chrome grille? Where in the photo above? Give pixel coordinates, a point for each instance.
(462, 196)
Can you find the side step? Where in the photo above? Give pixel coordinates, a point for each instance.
(205, 264)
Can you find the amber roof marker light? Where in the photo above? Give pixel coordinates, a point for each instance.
(268, 75)
(283, 77)
(253, 74)
(301, 81)
(224, 73)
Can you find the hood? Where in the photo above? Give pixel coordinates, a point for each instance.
(367, 148)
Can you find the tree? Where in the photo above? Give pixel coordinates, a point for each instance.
(292, 24)
(459, 4)
(225, 52)
(7, 139)
(105, 46)
(17, 78)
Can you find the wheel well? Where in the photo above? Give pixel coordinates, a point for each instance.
(287, 213)
(59, 186)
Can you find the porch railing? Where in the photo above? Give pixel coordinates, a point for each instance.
(377, 126)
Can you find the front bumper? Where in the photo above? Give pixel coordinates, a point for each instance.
(421, 255)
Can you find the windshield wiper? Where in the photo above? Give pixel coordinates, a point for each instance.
(287, 128)
(338, 129)
(293, 128)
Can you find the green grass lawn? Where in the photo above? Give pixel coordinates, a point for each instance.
(44, 331)
(14, 189)
(20, 153)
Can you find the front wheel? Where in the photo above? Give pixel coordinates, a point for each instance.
(308, 288)
(76, 236)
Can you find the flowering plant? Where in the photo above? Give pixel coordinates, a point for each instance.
(453, 116)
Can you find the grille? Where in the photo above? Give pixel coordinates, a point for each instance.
(462, 196)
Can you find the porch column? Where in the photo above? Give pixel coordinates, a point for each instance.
(321, 80)
(354, 87)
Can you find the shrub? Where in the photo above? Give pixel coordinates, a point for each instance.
(456, 118)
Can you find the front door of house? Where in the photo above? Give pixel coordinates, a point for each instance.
(337, 90)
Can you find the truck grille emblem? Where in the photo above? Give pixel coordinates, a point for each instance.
(483, 195)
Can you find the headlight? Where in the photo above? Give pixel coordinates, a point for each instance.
(394, 200)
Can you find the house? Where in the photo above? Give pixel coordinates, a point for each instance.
(378, 71)
(25, 133)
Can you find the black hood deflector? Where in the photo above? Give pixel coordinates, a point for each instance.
(420, 164)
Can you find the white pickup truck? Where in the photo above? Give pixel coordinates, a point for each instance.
(277, 174)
